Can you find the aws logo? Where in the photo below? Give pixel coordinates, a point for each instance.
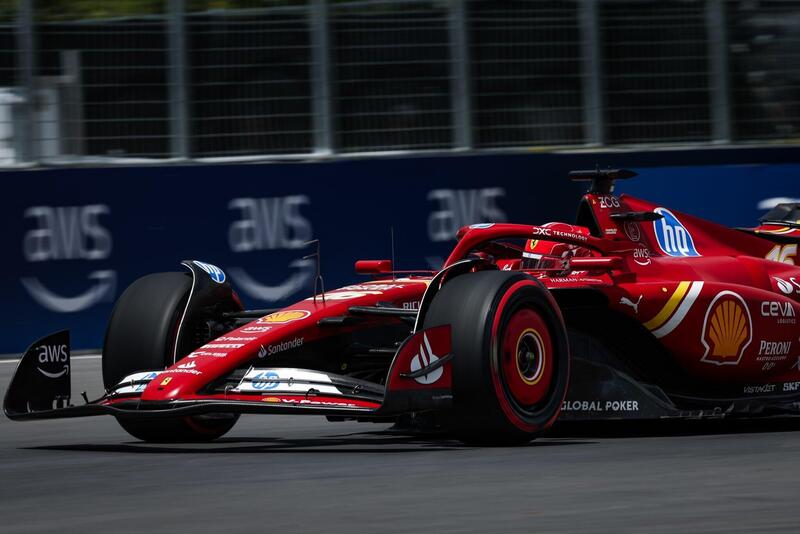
(69, 233)
(727, 329)
(273, 223)
(462, 207)
(53, 354)
(673, 238)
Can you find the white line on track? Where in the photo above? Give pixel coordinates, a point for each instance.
(86, 357)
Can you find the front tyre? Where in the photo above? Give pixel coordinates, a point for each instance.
(510, 356)
(141, 335)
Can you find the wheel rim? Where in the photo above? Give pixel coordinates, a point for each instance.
(527, 358)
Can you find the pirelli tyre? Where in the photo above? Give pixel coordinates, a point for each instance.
(141, 335)
(510, 356)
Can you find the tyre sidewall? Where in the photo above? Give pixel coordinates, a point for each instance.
(141, 336)
(477, 305)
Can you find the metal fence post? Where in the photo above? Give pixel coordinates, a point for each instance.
(177, 80)
(718, 71)
(321, 76)
(73, 139)
(591, 63)
(26, 57)
(459, 74)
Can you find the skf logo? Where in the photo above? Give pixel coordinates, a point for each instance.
(53, 354)
(283, 317)
(727, 329)
(673, 238)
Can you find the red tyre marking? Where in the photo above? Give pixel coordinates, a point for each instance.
(500, 393)
(527, 357)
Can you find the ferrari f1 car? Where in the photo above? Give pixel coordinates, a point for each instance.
(634, 312)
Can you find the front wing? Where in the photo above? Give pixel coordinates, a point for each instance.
(41, 387)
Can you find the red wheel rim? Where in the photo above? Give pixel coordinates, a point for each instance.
(527, 357)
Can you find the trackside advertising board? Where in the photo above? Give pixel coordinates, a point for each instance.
(74, 238)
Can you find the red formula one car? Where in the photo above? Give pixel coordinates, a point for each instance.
(633, 312)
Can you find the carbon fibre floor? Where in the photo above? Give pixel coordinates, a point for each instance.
(302, 474)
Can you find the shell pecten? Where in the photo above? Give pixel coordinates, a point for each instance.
(728, 329)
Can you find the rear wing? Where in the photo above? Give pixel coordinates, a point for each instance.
(781, 224)
(602, 179)
(785, 214)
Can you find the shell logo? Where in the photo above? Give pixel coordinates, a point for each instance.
(283, 317)
(727, 329)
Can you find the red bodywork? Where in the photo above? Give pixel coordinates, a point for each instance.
(722, 302)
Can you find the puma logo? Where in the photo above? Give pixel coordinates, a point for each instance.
(628, 302)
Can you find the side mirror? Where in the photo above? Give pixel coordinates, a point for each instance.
(373, 266)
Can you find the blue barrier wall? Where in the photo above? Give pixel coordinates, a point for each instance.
(74, 238)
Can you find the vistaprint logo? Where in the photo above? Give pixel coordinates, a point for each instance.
(673, 238)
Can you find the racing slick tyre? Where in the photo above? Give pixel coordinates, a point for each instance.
(510, 356)
(141, 335)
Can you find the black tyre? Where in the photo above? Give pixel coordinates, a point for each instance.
(141, 335)
(510, 356)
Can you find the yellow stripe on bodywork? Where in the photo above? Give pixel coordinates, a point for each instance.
(781, 230)
(662, 316)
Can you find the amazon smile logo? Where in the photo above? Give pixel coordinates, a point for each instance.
(69, 233)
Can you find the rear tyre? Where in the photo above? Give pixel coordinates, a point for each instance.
(510, 356)
(141, 335)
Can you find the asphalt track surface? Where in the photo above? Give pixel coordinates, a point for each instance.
(295, 474)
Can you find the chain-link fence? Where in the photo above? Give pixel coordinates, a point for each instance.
(155, 80)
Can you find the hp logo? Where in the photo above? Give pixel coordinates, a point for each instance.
(266, 380)
(673, 238)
